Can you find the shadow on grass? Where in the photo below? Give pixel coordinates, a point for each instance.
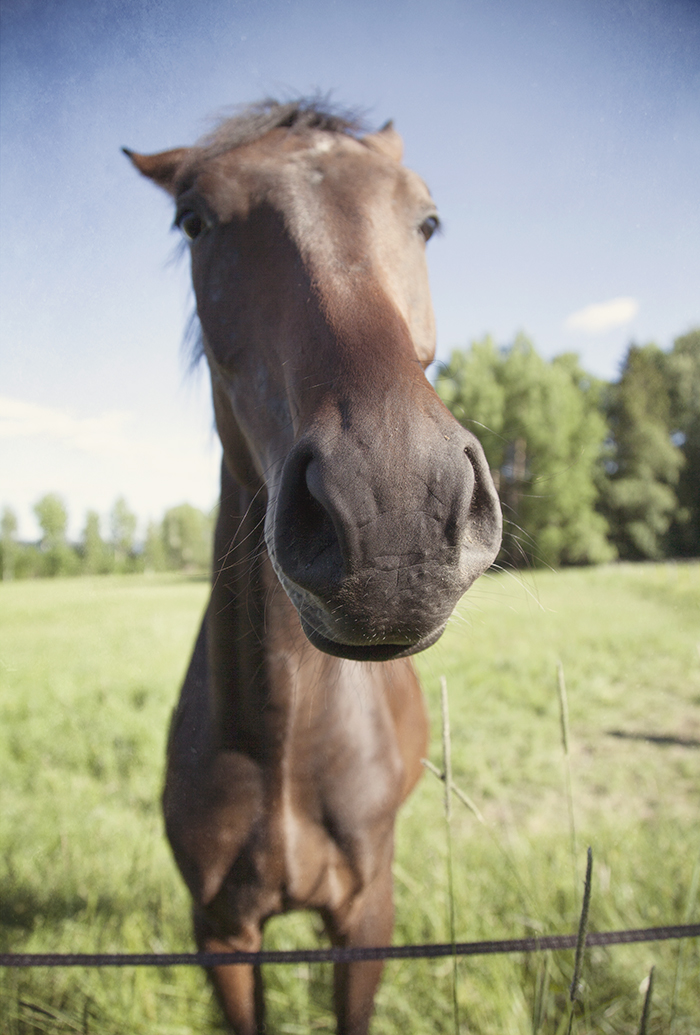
(22, 907)
(664, 740)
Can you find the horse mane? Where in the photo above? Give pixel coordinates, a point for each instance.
(253, 121)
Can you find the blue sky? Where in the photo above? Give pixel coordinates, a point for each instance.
(560, 139)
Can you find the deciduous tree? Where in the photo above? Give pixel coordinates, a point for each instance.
(187, 538)
(123, 530)
(95, 552)
(684, 385)
(154, 548)
(542, 431)
(8, 544)
(57, 556)
(644, 463)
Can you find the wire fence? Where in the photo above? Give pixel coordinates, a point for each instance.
(354, 954)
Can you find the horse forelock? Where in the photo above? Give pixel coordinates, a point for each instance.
(251, 122)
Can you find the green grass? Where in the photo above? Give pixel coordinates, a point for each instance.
(89, 670)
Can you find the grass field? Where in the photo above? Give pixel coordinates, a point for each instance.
(89, 670)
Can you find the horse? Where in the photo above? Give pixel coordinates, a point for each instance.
(354, 513)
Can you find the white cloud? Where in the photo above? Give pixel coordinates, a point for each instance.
(92, 460)
(103, 434)
(603, 316)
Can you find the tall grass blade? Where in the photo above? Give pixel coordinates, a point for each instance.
(690, 906)
(446, 748)
(580, 940)
(564, 722)
(525, 892)
(447, 767)
(539, 1008)
(464, 798)
(582, 927)
(646, 1010)
(563, 708)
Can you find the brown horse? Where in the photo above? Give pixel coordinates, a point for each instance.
(355, 511)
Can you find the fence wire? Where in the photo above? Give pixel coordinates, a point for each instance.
(347, 955)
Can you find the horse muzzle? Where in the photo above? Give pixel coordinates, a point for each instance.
(374, 546)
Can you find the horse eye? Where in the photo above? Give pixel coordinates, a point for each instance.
(190, 223)
(429, 226)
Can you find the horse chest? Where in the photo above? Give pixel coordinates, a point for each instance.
(334, 820)
(303, 828)
(330, 803)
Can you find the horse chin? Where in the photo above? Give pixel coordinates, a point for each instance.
(368, 651)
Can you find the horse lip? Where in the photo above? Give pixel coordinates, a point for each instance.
(369, 651)
(311, 610)
(362, 648)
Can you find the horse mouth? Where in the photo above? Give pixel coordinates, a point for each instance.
(367, 651)
(360, 640)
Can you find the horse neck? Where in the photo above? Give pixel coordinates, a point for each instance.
(259, 659)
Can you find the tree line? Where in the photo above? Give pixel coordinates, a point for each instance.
(181, 541)
(587, 471)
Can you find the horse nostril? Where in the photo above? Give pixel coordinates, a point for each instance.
(309, 552)
(316, 527)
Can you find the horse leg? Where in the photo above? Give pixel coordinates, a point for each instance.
(238, 987)
(369, 921)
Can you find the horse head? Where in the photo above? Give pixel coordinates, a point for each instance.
(308, 262)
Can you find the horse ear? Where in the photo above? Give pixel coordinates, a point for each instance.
(387, 141)
(162, 168)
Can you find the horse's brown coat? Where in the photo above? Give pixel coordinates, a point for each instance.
(345, 483)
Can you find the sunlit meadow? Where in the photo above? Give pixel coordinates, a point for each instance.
(89, 670)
